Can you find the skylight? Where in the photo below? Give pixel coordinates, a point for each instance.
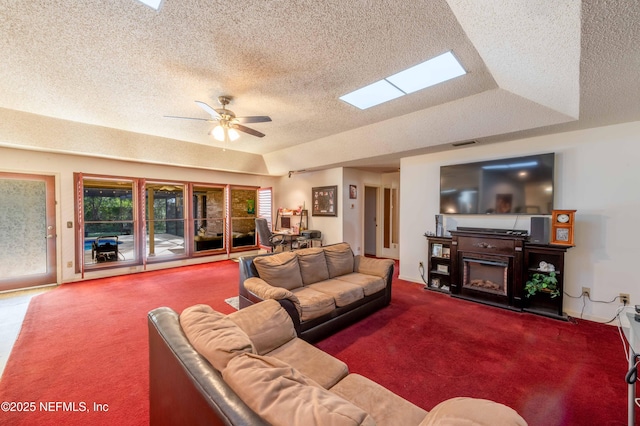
(372, 95)
(154, 4)
(429, 73)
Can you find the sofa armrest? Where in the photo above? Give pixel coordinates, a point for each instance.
(263, 290)
(183, 387)
(472, 411)
(379, 267)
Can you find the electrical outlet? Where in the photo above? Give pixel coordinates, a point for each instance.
(70, 264)
(421, 265)
(586, 291)
(624, 298)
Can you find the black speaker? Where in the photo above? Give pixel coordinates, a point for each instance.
(540, 230)
(439, 226)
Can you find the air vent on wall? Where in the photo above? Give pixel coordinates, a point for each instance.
(464, 143)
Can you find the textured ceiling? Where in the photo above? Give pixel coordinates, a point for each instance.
(81, 76)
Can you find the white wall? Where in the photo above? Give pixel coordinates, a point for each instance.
(597, 172)
(63, 166)
(294, 191)
(291, 192)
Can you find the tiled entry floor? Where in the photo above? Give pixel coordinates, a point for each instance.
(13, 307)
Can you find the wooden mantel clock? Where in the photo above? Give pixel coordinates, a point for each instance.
(562, 224)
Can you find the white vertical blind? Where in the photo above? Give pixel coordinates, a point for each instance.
(265, 205)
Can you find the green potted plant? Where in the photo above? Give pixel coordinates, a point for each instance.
(545, 283)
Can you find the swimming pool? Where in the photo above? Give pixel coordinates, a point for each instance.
(88, 243)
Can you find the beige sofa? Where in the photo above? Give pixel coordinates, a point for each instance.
(323, 288)
(249, 367)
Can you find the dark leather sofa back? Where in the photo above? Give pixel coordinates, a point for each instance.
(184, 389)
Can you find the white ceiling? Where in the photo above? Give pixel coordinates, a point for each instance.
(76, 74)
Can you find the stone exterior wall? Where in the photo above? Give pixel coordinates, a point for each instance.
(243, 221)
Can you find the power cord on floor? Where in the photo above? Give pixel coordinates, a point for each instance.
(421, 271)
(587, 296)
(632, 374)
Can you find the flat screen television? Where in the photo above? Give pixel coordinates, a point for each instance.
(521, 185)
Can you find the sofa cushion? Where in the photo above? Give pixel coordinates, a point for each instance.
(339, 259)
(313, 304)
(267, 324)
(283, 396)
(343, 292)
(384, 406)
(313, 265)
(314, 363)
(213, 335)
(280, 270)
(472, 412)
(369, 283)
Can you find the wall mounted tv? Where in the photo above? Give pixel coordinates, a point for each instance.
(521, 185)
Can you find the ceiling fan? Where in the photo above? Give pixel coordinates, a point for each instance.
(228, 124)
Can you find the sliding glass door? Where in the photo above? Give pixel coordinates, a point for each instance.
(165, 221)
(124, 221)
(109, 233)
(27, 231)
(208, 219)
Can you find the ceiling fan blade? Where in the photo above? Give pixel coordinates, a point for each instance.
(247, 130)
(207, 108)
(254, 119)
(188, 118)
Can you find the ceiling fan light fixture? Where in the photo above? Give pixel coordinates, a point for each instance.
(233, 134)
(218, 133)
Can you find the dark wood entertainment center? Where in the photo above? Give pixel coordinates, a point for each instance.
(491, 266)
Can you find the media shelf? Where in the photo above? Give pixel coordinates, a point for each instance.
(439, 264)
(542, 303)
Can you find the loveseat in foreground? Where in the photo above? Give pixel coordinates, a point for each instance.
(322, 288)
(249, 368)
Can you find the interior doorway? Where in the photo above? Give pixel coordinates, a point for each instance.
(370, 220)
(28, 224)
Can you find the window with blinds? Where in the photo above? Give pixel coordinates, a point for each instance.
(265, 207)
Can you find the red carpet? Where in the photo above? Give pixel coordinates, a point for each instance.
(86, 343)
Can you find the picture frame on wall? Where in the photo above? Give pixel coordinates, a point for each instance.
(324, 201)
(353, 192)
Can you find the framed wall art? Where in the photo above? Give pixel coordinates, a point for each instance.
(325, 201)
(353, 192)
